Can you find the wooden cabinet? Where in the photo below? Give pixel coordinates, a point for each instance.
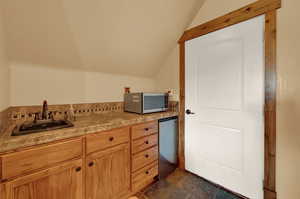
(144, 155)
(108, 165)
(144, 143)
(145, 129)
(108, 173)
(103, 140)
(61, 182)
(144, 177)
(25, 162)
(2, 191)
(144, 158)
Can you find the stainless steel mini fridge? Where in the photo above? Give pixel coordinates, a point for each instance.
(168, 146)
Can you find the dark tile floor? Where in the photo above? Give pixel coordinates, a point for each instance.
(184, 185)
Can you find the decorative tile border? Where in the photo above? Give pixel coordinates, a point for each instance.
(3, 118)
(26, 113)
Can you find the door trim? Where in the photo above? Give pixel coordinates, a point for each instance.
(260, 7)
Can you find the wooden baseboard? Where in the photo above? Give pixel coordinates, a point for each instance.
(269, 194)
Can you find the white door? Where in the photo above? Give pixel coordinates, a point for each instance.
(224, 139)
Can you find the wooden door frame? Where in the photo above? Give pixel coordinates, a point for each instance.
(260, 7)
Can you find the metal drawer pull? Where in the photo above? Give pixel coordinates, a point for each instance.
(146, 129)
(147, 172)
(146, 156)
(78, 169)
(147, 142)
(111, 139)
(91, 164)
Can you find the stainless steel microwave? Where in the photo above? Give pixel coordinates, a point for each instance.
(146, 102)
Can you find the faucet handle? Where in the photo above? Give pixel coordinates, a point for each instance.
(51, 116)
(66, 116)
(36, 117)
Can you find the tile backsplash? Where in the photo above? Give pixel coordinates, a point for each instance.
(26, 113)
(3, 118)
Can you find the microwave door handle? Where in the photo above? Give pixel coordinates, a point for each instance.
(142, 103)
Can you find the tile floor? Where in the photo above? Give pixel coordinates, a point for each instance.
(184, 185)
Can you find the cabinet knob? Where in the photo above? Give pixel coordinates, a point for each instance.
(147, 172)
(91, 164)
(146, 156)
(111, 139)
(147, 142)
(78, 169)
(146, 129)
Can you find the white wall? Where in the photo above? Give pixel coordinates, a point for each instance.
(288, 104)
(167, 79)
(31, 84)
(102, 35)
(4, 88)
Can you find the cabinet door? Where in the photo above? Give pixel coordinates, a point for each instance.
(61, 182)
(108, 173)
(2, 191)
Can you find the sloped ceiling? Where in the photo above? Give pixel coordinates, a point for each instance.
(130, 37)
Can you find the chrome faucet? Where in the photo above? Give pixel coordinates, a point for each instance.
(44, 115)
(45, 110)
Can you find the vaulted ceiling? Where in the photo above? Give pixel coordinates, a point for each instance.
(130, 37)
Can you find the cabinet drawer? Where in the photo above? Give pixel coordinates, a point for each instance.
(144, 158)
(103, 140)
(24, 162)
(144, 177)
(145, 129)
(144, 143)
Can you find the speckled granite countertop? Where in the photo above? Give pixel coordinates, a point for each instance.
(82, 126)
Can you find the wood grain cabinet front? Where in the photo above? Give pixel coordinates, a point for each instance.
(144, 177)
(2, 191)
(144, 158)
(144, 143)
(114, 166)
(108, 173)
(145, 129)
(103, 140)
(27, 161)
(61, 182)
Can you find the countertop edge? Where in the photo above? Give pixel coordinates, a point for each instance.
(10, 146)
